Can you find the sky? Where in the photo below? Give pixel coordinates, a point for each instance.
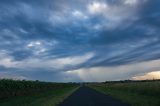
(79, 40)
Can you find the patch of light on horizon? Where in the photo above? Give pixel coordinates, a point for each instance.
(148, 76)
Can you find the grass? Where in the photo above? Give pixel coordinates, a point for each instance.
(135, 93)
(49, 94)
(48, 98)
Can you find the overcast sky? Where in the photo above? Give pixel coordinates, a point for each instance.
(79, 40)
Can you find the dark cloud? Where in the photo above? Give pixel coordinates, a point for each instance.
(116, 32)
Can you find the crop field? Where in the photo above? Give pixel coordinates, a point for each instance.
(135, 93)
(33, 93)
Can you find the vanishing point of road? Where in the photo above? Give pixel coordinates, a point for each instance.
(86, 96)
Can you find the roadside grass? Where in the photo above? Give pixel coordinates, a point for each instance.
(47, 98)
(136, 94)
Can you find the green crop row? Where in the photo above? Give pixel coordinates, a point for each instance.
(10, 88)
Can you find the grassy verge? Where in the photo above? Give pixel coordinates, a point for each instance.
(47, 98)
(136, 94)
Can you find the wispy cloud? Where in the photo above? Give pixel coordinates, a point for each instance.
(122, 72)
(58, 36)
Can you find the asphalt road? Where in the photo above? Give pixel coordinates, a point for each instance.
(85, 96)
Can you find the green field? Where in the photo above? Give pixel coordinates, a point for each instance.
(34, 93)
(134, 93)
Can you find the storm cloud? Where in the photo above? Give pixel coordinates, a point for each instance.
(78, 40)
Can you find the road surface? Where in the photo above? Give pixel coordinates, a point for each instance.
(86, 96)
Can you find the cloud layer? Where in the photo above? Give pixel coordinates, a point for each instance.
(82, 40)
